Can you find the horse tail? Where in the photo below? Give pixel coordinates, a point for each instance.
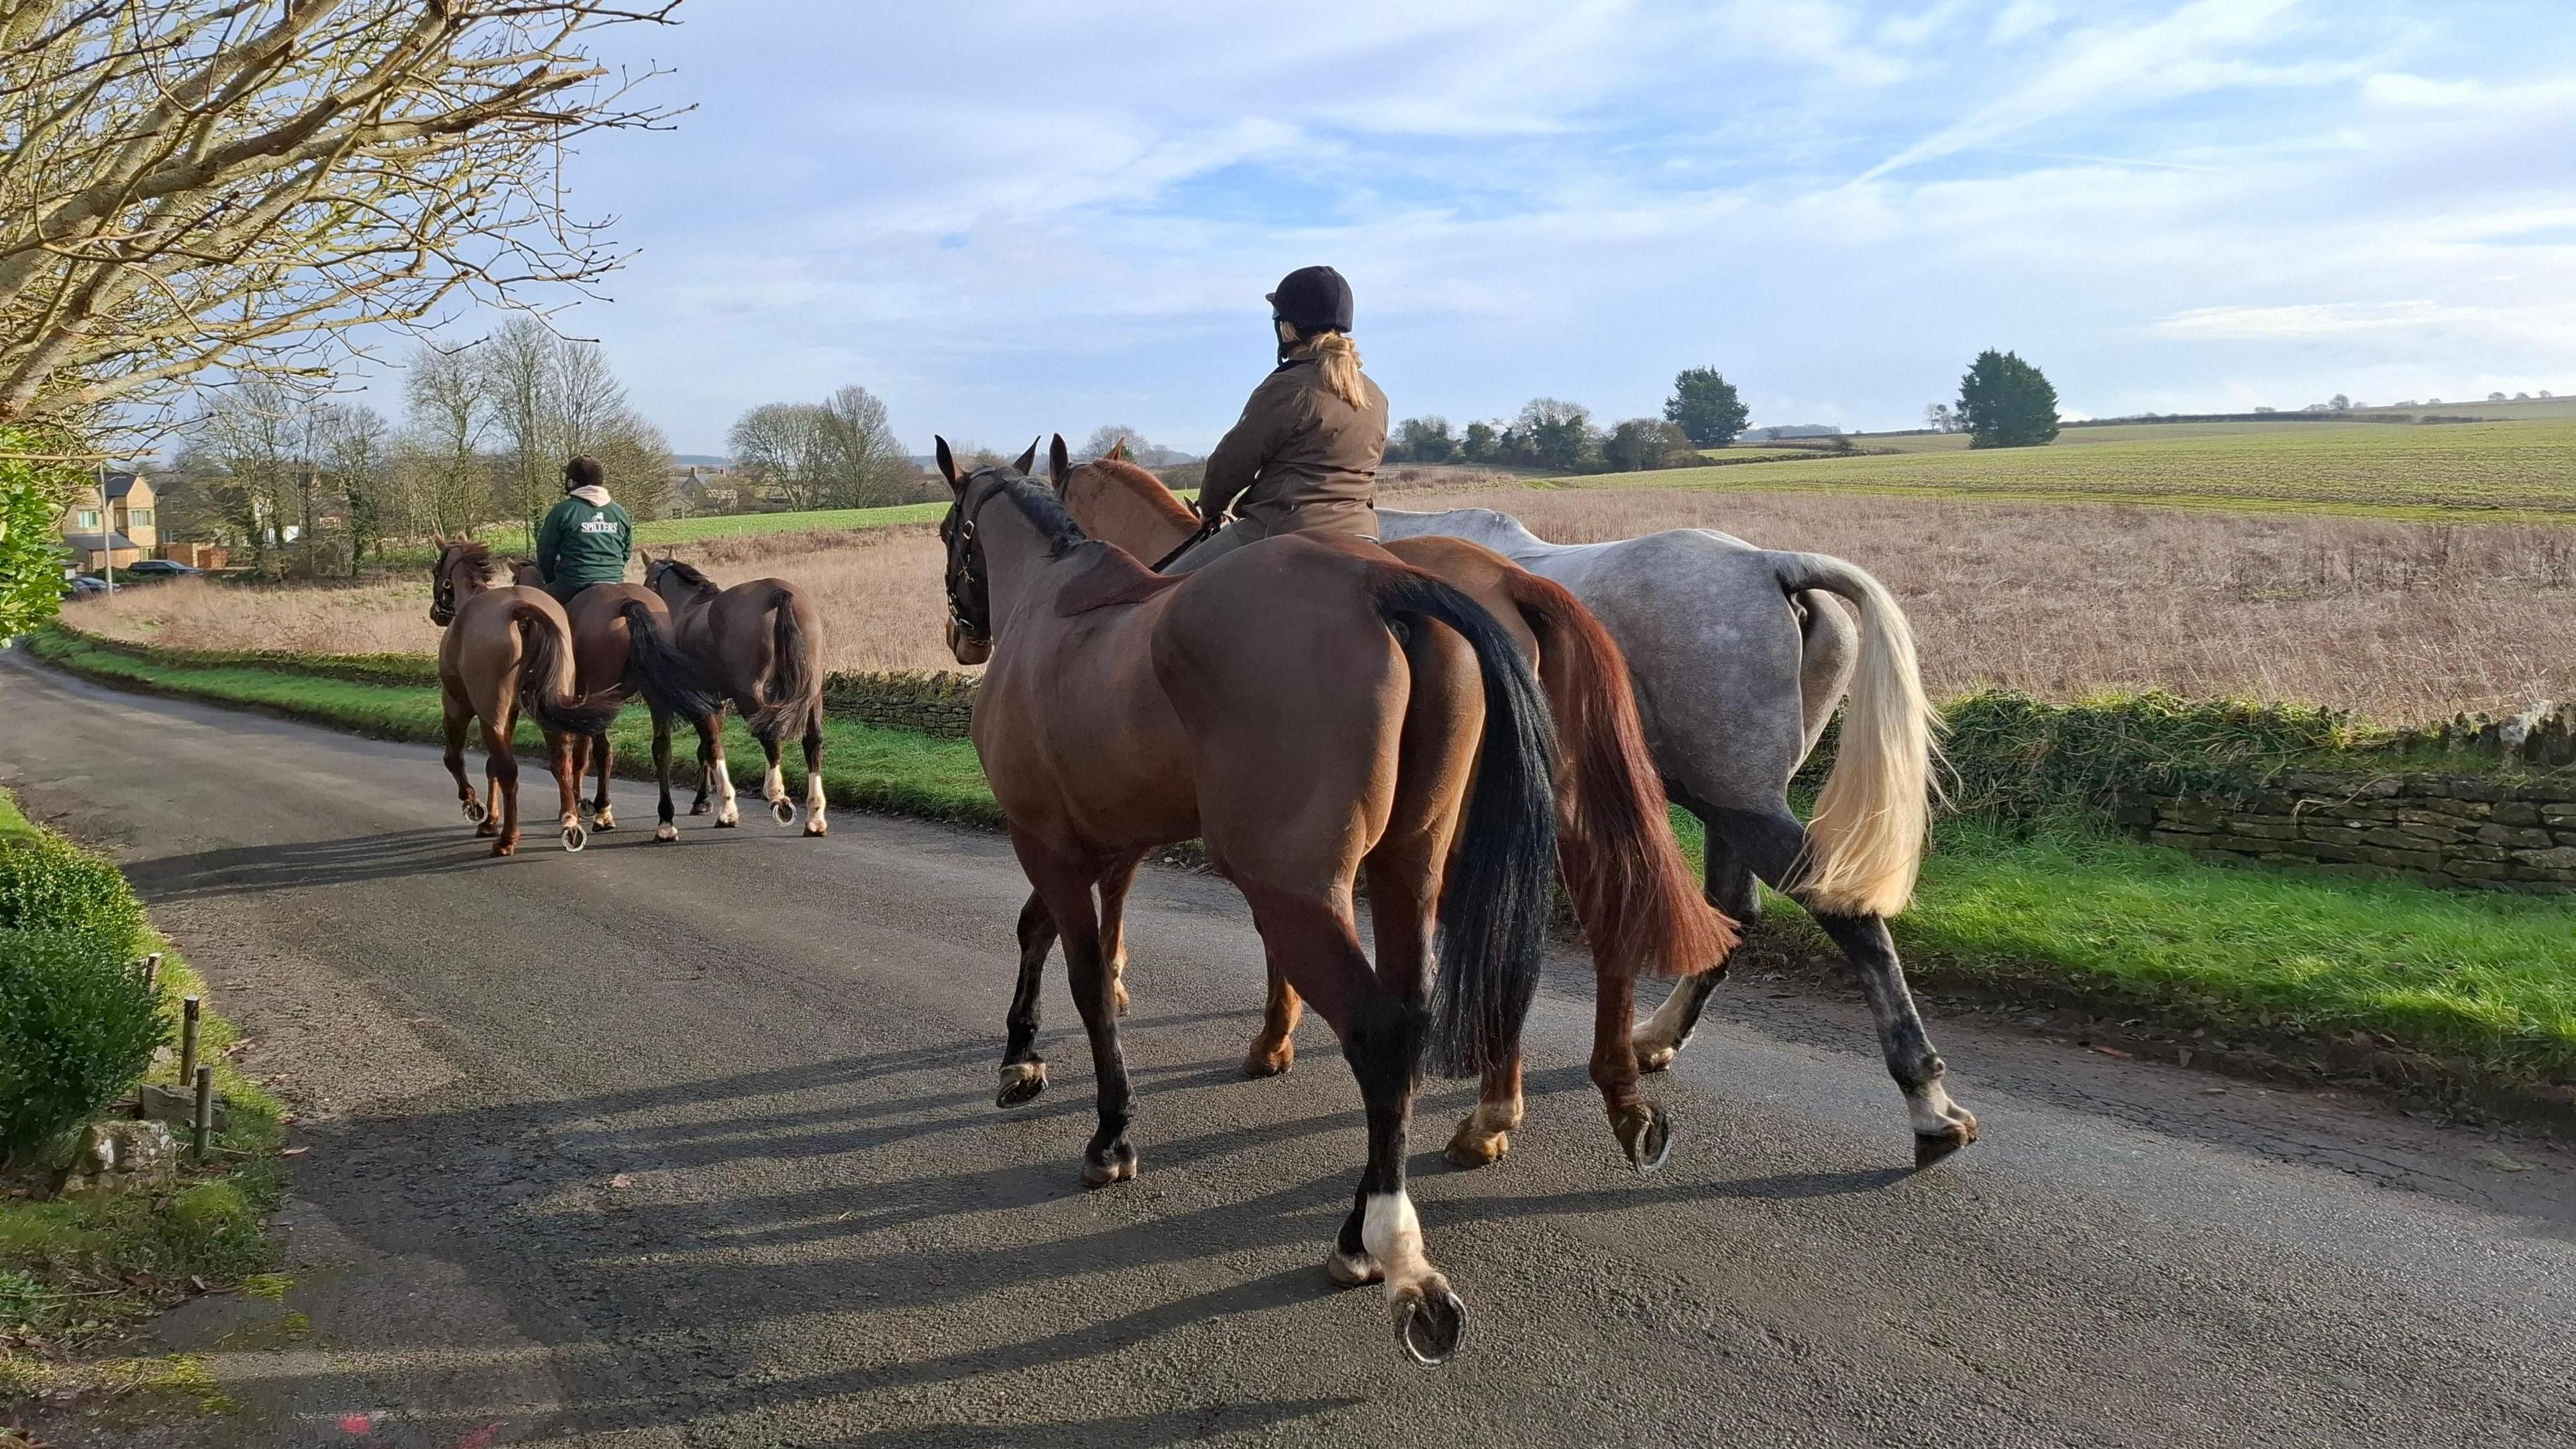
(794, 675)
(656, 666)
(1874, 815)
(1493, 909)
(545, 676)
(1633, 889)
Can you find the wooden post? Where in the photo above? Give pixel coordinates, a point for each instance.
(205, 1120)
(188, 1012)
(152, 972)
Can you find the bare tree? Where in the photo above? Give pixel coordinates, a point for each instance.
(445, 476)
(249, 432)
(550, 398)
(355, 453)
(866, 463)
(244, 183)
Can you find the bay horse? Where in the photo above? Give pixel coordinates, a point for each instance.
(1624, 872)
(759, 646)
(1739, 662)
(507, 648)
(621, 647)
(1306, 707)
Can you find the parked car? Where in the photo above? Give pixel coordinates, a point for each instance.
(157, 568)
(81, 586)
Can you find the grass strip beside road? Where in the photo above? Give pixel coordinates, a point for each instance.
(2476, 991)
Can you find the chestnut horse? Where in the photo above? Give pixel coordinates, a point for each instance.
(1630, 883)
(1306, 707)
(758, 645)
(621, 647)
(507, 649)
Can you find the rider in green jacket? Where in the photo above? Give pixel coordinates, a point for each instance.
(587, 537)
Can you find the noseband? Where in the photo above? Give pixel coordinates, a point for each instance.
(970, 592)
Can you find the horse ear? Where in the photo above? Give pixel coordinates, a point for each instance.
(1027, 460)
(947, 464)
(437, 539)
(1117, 451)
(1059, 463)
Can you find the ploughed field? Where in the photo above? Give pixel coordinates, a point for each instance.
(2398, 621)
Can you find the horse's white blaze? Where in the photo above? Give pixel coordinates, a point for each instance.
(1393, 1236)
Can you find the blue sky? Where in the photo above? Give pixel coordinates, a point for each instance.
(1010, 218)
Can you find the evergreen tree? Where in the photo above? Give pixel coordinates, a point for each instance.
(2005, 402)
(1704, 406)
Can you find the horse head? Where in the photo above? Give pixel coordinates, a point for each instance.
(463, 568)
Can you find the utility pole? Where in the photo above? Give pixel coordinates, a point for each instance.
(106, 529)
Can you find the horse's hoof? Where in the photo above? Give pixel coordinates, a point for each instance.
(814, 826)
(702, 807)
(488, 827)
(574, 837)
(1931, 1147)
(1473, 1147)
(1645, 1133)
(1274, 1063)
(1941, 1126)
(603, 821)
(475, 813)
(724, 824)
(666, 831)
(1656, 1056)
(1022, 1081)
(1350, 1270)
(1430, 1322)
(1118, 994)
(505, 847)
(782, 812)
(1099, 1169)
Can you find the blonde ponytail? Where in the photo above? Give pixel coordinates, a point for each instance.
(1338, 358)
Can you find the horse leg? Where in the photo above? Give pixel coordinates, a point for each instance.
(501, 767)
(564, 756)
(1731, 888)
(773, 785)
(714, 770)
(1023, 1070)
(1274, 1048)
(1113, 927)
(460, 715)
(707, 750)
(1774, 843)
(1065, 888)
(663, 829)
(603, 815)
(814, 802)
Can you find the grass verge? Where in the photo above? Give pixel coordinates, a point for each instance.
(80, 1270)
(2468, 995)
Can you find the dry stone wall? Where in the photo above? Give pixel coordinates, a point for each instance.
(2448, 830)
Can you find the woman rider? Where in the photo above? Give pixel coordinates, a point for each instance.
(1304, 454)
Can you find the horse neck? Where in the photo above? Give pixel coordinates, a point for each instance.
(1139, 515)
(1015, 557)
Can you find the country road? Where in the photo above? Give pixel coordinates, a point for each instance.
(694, 1145)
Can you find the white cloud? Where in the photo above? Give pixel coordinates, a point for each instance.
(2020, 18)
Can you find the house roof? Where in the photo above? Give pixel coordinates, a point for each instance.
(120, 484)
(94, 542)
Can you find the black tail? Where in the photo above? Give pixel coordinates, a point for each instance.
(655, 666)
(792, 681)
(1493, 909)
(545, 656)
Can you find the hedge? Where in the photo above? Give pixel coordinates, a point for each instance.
(77, 1026)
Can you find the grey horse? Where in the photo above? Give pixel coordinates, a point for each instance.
(1738, 662)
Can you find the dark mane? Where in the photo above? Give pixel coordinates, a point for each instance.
(688, 573)
(474, 555)
(1039, 505)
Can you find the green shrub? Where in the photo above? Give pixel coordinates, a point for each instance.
(49, 884)
(77, 1026)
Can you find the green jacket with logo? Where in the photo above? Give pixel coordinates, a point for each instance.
(585, 541)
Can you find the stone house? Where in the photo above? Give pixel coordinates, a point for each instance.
(113, 520)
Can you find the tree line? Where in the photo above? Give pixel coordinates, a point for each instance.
(297, 480)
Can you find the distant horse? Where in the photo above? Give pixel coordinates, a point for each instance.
(1738, 662)
(758, 645)
(621, 646)
(506, 649)
(1305, 707)
(1629, 881)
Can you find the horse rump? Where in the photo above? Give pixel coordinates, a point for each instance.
(667, 678)
(1632, 887)
(1494, 905)
(545, 667)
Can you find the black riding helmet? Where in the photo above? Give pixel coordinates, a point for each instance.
(584, 472)
(1312, 300)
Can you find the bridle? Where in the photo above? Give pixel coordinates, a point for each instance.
(970, 591)
(442, 592)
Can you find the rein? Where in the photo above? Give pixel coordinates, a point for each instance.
(1206, 531)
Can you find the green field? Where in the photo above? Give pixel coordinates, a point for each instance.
(2474, 470)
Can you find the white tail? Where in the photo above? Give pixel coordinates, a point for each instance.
(1874, 816)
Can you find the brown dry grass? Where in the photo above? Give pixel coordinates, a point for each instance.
(2398, 622)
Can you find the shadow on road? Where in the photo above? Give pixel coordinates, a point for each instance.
(351, 861)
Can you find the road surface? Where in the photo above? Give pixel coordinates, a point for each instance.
(694, 1144)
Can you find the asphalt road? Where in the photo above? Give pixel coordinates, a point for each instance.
(694, 1144)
